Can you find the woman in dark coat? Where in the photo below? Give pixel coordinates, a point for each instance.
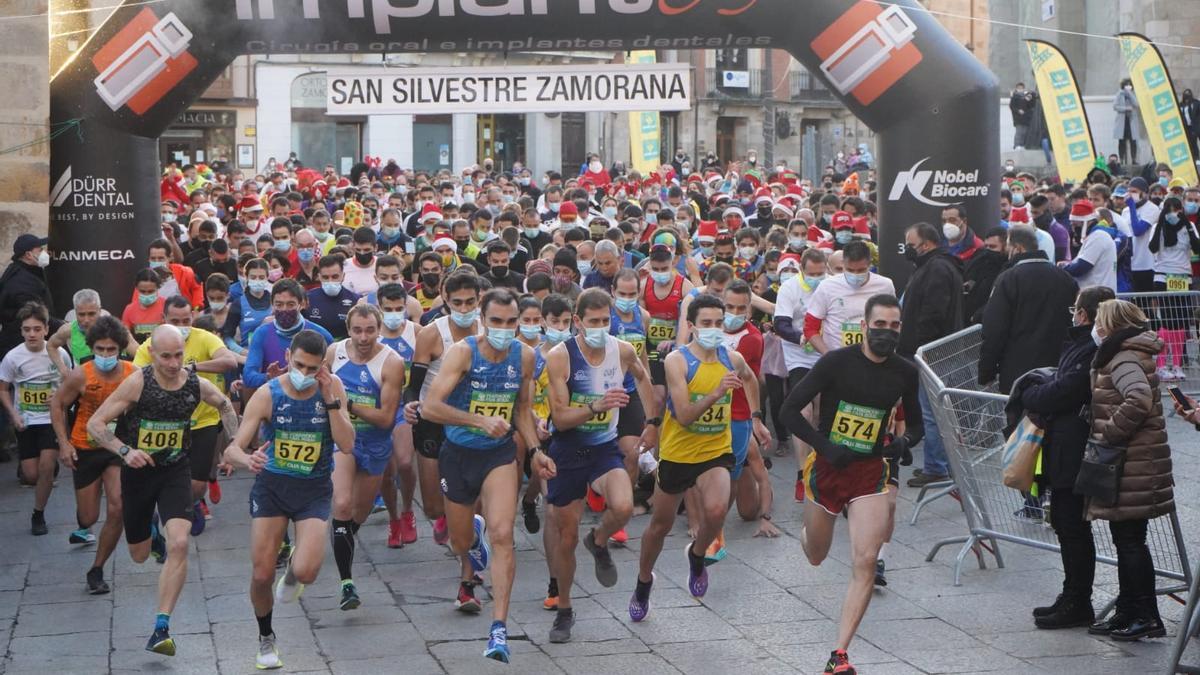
(1062, 404)
(1127, 414)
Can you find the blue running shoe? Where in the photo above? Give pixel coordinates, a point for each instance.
(161, 642)
(497, 648)
(82, 536)
(639, 608)
(697, 583)
(198, 520)
(158, 543)
(378, 505)
(480, 552)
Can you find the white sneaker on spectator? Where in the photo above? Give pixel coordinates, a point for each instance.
(1179, 374)
(1165, 375)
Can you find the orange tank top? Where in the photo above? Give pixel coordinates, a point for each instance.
(95, 392)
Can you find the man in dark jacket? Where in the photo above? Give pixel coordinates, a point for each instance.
(24, 281)
(1021, 106)
(932, 309)
(980, 272)
(1025, 320)
(1059, 402)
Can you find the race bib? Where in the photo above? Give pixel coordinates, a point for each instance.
(661, 330)
(636, 339)
(156, 437)
(1178, 283)
(852, 333)
(144, 328)
(34, 397)
(491, 404)
(297, 451)
(366, 400)
(714, 420)
(598, 227)
(598, 422)
(857, 427)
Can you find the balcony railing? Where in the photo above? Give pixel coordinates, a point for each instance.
(716, 87)
(806, 87)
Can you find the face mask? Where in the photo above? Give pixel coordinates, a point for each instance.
(1096, 336)
(747, 252)
(532, 232)
(595, 337)
(772, 276)
(43, 259)
(105, 363)
(796, 242)
(306, 255)
(283, 245)
(332, 288)
(461, 245)
(1191, 208)
(481, 236)
(610, 212)
(709, 338)
(626, 305)
(555, 336)
(1128, 87)
(393, 320)
(734, 322)
(301, 381)
(530, 332)
(910, 253)
(856, 280)
(662, 278)
(883, 341)
(431, 279)
(555, 206)
(469, 197)
(843, 237)
(595, 167)
(652, 218)
(523, 181)
(706, 251)
(501, 338)
(685, 224)
(785, 277)
(154, 264)
(185, 331)
(826, 218)
(168, 217)
(464, 319)
(585, 267)
(951, 232)
(1042, 221)
(322, 236)
(813, 282)
(258, 286)
(216, 306)
(1173, 218)
(364, 258)
(1018, 199)
(390, 232)
(147, 299)
(275, 275)
(1164, 181)
(287, 319)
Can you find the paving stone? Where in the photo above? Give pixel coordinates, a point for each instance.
(1051, 643)
(681, 624)
(63, 619)
(412, 665)
(377, 641)
(642, 664)
(441, 622)
(715, 656)
(195, 653)
(466, 657)
(237, 643)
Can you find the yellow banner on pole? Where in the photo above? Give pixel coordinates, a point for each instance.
(1157, 101)
(645, 136)
(1066, 119)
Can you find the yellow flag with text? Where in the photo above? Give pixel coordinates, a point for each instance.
(1066, 119)
(645, 137)
(1157, 101)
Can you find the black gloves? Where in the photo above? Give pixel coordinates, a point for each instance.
(898, 450)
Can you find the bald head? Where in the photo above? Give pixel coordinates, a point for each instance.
(166, 350)
(305, 239)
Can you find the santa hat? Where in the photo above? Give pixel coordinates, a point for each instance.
(789, 261)
(763, 194)
(568, 209)
(445, 242)
(343, 184)
(783, 207)
(733, 211)
(707, 229)
(817, 236)
(718, 198)
(430, 210)
(1082, 211)
(694, 178)
(862, 226)
(796, 189)
(841, 221)
(1019, 214)
(250, 204)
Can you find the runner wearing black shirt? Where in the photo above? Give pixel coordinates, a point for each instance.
(859, 387)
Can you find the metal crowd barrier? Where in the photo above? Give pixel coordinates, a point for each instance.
(972, 424)
(1189, 629)
(1176, 317)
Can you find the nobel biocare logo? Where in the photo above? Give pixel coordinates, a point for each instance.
(931, 187)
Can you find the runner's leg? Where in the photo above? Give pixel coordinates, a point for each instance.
(46, 461)
(266, 535)
(174, 571)
(618, 496)
(406, 468)
(753, 489)
(817, 534)
(499, 496)
(432, 502)
(387, 488)
(712, 489)
(868, 527)
(566, 521)
(110, 534)
(662, 517)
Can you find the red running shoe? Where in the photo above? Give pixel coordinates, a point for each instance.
(441, 534)
(204, 509)
(595, 502)
(620, 537)
(408, 528)
(214, 491)
(839, 663)
(466, 601)
(394, 529)
(799, 490)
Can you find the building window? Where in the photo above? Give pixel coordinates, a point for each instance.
(317, 138)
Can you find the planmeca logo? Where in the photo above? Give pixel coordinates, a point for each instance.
(929, 187)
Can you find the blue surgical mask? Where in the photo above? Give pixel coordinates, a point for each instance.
(105, 363)
(595, 337)
(626, 305)
(709, 338)
(501, 338)
(216, 306)
(796, 242)
(610, 212)
(532, 232)
(301, 381)
(1164, 181)
(530, 332)
(147, 299)
(585, 267)
(1173, 218)
(157, 264)
(843, 237)
(332, 288)
(393, 320)
(464, 319)
(1191, 208)
(734, 322)
(857, 280)
(555, 336)
(390, 233)
(706, 251)
(1096, 336)
(785, 277)
(258, 286)
(661, 278)
(554, 207)
(283, 245)
(306, 255)
(651, 218)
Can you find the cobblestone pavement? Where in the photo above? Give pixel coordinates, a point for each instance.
(767, 611)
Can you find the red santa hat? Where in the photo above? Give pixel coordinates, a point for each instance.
(841, 221)
(790, 261)
(707, 229)
(1082, 211)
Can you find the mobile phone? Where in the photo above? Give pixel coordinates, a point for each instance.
(1177, 394)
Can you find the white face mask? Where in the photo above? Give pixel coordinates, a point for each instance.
(1096, 336)
(951, 231)
(43, 259)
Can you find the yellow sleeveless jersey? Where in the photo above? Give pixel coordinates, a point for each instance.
(709, 436)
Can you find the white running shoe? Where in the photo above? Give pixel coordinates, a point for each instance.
(268, 655)
(287, 589)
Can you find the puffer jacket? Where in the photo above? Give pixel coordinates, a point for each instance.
(1127, 413)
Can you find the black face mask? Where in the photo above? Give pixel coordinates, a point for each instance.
(431, 280)
(910, 253)
(462, 244)
(764, 212)
(500, 271)
(727, 261)
(1042, 221)
(883, 341)
(364, 258)
(1157, 201)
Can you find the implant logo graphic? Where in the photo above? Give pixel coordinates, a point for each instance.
(143, 62)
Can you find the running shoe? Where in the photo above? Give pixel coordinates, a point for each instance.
(639, 608)
(161, 642)
(82, 536)
(1178, 373)
(204, 509)
(268, 655)
(532, 522)
(564, 621)
(799, 490)
(716, 550)
(595, 501)
(480, 552)
(606, 569)
(394, 540)
(466, 602)
(158, 543)
(697, 583)
(880, 573)
(214, 491)
(198, 521)
(288, 589)
(350, 598)
(620, 537)
(441, 533)
(551, 601)
(96, 583)
(37, 524)
(284, 556)
(408, 528)
(378, 505)
(497, 648)
(1165, 375)
(839, 663)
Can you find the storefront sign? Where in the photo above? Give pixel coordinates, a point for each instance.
(616, 88)
(206, 119)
